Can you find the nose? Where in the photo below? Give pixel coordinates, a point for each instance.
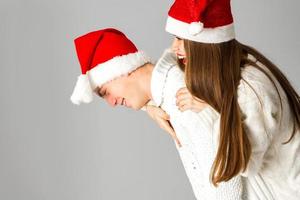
(111, 101)
(114, 101)
(175, 45)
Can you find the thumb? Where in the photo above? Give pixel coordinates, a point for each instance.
(165, 116)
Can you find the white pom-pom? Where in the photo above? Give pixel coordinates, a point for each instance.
(195, 28)
(83, 92)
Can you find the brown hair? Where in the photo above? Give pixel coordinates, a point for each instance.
(213, 73)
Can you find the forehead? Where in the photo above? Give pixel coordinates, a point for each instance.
(113, 83)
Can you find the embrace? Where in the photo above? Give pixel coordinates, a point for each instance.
(233, 114)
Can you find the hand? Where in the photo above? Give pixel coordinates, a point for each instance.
(162, 119)
(186, 101)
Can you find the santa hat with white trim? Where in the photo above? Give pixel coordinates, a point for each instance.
(103, 55)
(206, 21)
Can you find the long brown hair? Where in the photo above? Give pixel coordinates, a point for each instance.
(213, 73)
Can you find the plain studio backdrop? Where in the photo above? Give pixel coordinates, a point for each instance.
(51, 149)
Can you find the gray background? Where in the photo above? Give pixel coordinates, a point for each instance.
(51, 149)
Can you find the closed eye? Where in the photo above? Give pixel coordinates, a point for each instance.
(178, 38)
(101, 94)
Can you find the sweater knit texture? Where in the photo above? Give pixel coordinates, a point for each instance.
(273, 169)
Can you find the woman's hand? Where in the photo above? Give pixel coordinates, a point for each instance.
(162, 119)
(186, 101)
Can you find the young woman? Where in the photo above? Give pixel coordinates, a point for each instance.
(257, 132)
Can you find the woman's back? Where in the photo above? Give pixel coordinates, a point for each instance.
(273, 171)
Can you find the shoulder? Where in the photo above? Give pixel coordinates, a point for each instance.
(260, 97)
(259, 101)
(257, 85)
(166, 76)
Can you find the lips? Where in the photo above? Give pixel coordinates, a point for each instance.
(123, 103)
(180, 56)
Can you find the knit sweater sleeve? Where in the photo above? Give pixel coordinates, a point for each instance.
(260, 108)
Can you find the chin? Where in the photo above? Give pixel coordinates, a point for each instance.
(136, 107)
(135, 104)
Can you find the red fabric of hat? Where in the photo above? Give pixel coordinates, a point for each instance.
(207, 21)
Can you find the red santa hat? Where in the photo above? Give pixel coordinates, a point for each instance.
(206, 21)
(103, 55)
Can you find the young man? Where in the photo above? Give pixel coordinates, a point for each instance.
(114, 69)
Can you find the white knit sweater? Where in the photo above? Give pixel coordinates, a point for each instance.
(273, 170)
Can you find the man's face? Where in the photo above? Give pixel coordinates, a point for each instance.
(124, 91)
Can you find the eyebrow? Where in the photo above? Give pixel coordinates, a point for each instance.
(98, 92)
(101, 95)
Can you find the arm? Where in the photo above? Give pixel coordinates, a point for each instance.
(161, 118)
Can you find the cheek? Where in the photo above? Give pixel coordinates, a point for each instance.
(110, 100)
(135, 96)
(181, 48)
(174, 44)
(117, 89)
(130, 91)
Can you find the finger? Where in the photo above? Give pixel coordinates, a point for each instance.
(186, 102)
(183, 97)
(156, 111)
(167, 126)
(195, 107)
(198, 99)
(178, 143)
(181, 91)
(199, 107)
(150, 111)
(184, 108)
(185, 93)
(164, 115)
(198, 104)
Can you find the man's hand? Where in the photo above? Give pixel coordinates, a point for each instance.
(186, 101)
(162, 119)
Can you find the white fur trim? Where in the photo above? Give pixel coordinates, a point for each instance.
(82, 92)
(195, 28)
(207, 35)
(116, 67)
(104, 72)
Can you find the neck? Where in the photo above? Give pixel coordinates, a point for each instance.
(143, 76)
